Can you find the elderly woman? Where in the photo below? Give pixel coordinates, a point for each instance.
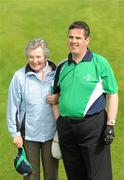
(29, 117)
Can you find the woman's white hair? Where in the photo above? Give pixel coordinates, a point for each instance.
(35, 43)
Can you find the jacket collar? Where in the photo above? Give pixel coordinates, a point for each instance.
(29, 69)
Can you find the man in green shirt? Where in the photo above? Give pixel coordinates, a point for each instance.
(84, 81)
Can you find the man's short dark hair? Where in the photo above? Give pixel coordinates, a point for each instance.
(80, 25)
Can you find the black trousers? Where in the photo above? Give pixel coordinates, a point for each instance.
(85, 156)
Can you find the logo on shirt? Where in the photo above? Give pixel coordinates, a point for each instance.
(88, 77)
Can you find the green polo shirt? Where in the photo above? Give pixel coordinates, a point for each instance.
(83, 86)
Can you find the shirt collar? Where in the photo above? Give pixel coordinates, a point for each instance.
(88, 57)
(45, 68)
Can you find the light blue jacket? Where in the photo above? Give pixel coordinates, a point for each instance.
(29, 114)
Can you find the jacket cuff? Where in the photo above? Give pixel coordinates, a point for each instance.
(15, 134)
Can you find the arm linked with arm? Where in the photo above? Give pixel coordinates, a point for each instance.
(55, 111)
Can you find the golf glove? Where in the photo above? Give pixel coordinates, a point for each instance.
(108, 135)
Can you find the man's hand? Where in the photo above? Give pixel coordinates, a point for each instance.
(108, 135)
(53, 99)
(18, 141)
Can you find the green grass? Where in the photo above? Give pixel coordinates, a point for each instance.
(23, 20)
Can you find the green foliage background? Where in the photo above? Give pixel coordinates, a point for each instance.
(22, 20)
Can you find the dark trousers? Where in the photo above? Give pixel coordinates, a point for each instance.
(85, 156)
(37, 151)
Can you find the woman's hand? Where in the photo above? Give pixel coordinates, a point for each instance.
(18, 141)
(53, 99)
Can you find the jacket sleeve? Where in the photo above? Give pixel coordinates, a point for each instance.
(14, 101)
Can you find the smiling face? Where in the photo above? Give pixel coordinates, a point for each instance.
(77, 42)
(36, 59)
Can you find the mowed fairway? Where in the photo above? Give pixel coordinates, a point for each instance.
(22, 20)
